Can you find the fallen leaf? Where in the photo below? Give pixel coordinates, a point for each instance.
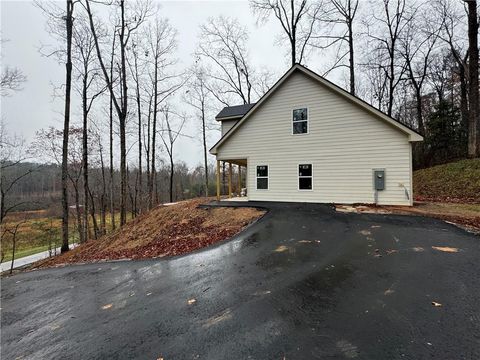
(281, 248)
(365, 232)
(305, 241)
(436, 304)
(391, 252)
(445, 249)
(388, 292)
(191, 301)
(108, 306)
(417, 249)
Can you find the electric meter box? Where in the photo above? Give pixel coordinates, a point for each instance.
(379, 179)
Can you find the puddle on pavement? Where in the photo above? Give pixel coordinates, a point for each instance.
(226, 315)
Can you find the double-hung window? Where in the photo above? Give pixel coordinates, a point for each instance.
(262, 177)
(305, 177)
(300, 121)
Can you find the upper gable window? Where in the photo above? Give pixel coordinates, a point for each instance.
(300, 121)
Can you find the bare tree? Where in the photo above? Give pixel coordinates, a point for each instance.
(386, 30)
(110, 116)
(473, 91)
(66, 124)
(60, 24)
(297, 18)
(159, 48)
(13, 152)
(416, 45)
(451, 19)
(341, 15)
(171, 129)
(137, 69)
(13, 232)
(223, 44)
(198, 96)
(48, 145)
(11, 80)
(130, 21)
(85, 64)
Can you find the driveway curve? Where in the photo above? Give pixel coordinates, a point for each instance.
(303, 282)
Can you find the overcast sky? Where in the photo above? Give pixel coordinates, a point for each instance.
(23, 25)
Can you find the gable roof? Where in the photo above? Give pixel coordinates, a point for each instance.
(231, 112)
(412, 134)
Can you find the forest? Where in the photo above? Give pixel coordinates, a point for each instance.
(117, 156)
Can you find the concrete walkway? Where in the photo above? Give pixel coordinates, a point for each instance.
(30, 259)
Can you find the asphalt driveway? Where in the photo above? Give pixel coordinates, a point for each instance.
(304, 282)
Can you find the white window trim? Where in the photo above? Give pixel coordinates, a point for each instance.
(307, 121)
(298, 175)
(262, 177)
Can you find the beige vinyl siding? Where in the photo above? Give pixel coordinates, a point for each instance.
(344, 144)
(227, 125)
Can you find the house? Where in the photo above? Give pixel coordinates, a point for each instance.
(308, 140)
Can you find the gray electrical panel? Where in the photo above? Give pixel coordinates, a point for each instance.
(379, 179)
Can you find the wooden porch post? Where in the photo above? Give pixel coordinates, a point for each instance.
(218, 180)
(229, 180)
(239, 179)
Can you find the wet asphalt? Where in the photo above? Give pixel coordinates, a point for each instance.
(304, 282)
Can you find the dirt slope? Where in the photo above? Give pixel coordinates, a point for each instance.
(453, 182)
(164, 231)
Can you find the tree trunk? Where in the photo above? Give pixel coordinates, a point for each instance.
(464, 105)
(93, 216)
(205, 156)
(140, 188)
(112, 192)
(79, 214)
(122, 120)
(85, 155)
(14, 245)
(171, 175)
(351, 58)
(294, 51)
(154, 125)
(102, 197)
(473, 91)
(66, 126)
(147, 150)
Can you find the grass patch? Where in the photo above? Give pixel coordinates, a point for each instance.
(38, 229)
(24, 252)
(453, 182)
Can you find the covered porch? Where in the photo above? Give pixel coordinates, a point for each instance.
(232, 179)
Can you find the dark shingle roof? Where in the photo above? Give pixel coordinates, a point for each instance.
(234, 111)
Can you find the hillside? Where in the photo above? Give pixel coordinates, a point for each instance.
(164, 231)
(453, 182)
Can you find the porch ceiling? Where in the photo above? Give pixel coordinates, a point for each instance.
(241, 162)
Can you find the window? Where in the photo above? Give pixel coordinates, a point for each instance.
(262, 177)
(305, 177)
(300, 121)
